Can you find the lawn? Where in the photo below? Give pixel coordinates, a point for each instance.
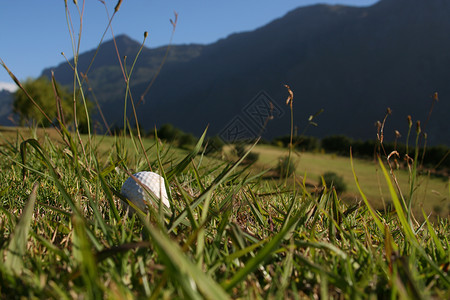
(229, 233)
(431, 194)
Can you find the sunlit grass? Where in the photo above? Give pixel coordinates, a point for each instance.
(430, 192)
(230, 234)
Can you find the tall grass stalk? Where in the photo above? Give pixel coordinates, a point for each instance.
(128, 94)
(290, 102)
(77, 87)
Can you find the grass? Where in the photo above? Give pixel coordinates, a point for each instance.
(429, 192)
(230, 233)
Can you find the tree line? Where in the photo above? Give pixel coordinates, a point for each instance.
(436, 157)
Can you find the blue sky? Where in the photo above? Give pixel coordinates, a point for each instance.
(34, 33)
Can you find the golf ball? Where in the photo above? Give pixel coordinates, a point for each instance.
(137, 194)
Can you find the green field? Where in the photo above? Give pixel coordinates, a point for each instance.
(230, 233)
(430, 193)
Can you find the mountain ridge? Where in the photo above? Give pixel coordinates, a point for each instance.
(6, 100)
(353, 62)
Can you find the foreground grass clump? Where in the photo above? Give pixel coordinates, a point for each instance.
(230, 234)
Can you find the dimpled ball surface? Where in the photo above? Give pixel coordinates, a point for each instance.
(136, 194)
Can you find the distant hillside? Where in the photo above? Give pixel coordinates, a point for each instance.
(6, 101)
(353, 62)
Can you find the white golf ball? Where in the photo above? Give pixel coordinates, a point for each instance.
(137, 194)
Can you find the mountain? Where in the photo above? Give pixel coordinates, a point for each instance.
(353, 62)
(6, 100)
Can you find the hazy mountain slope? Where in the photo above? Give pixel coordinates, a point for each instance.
(106, 78)
(6, 100)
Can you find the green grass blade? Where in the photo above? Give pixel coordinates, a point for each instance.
(187, 200)
(94, 206)
(434, 237)
(109, 196)
(255, 208)
(408, 230)
(55, 177)
(262, 255)
(18, 242)
(180, 265)
(244, 251)
(197, 176)
(371, 210)
(219, 179)
(397, 204)
(187, 160)
(82, 252)
(322, 245)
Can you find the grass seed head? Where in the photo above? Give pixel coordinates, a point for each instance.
(290, 98)
(436, 97)
(116, 9)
